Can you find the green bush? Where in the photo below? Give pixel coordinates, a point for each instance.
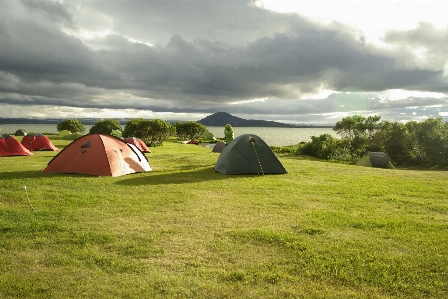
(414, 143)
(72, 125)
(105, 126)
(324, 146)
(284, 149)
(153, 132)
(131, 128)
(190, 130)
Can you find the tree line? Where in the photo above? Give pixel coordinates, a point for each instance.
(152, 131)
(411, 143)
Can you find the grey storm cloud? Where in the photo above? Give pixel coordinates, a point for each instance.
(189, 56)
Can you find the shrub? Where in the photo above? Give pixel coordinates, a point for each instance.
(190, 130)
(72, 125)
(324, 146)
(157, 131)
(284, 149)
(105, 126)
(131, 128)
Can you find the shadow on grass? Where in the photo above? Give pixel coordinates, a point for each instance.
(20, 175)
(399, 167)
(187, 175)
(199, 175)
(311, 158)
(300, 157)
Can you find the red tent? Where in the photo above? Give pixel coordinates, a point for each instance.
(138, 143)
(38, 142)
(99, 154)
(9, 146)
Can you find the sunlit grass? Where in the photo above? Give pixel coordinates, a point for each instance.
(324, 230)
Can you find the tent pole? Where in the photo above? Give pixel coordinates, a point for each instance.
(257, 157)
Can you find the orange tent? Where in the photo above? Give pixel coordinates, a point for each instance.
(9, 146)
(98, 154)
(138, 143)
(38, 142)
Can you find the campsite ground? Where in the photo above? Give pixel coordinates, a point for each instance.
(324, 230)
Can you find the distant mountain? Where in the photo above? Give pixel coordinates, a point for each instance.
(222, 118)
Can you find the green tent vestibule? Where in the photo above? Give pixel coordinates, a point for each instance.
(248, 154)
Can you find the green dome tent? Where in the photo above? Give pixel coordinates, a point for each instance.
(20, 132)
(248, 154)
(116, 133)
(72, 136)
(375, 159)
(64, 132)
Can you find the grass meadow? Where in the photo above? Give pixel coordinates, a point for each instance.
(324, 230)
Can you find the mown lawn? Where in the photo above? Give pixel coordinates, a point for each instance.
(324, 230)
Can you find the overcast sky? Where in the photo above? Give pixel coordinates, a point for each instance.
(290, 61)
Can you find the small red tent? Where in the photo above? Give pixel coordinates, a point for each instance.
(38, 142)
(98, 154)
(9, 146)
(138, 143)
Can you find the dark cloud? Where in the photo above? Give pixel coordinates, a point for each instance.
(231, 22)
(203, 56)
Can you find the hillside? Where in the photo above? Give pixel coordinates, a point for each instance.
(222, 118)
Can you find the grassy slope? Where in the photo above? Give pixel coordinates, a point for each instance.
(324, 230)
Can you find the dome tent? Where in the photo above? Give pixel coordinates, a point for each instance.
(138, 143)
(20, 132)
(64, 132)
(72, 136)
(99, 154)
(248, 154)
(116, 133)
(38, 142)
(219, 146)
(375, 159)
(9, 146)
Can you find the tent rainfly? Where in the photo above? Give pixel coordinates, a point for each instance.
(219, 146)
(375, 159)
(38, 142)
(138, 143)
(20, 132)
(64, 132)
(99, 154)
(9, 146)
(116, 133)
(248, 154)
(72, 136)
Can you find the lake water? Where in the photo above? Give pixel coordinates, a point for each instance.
(276, 136)
(272, 136)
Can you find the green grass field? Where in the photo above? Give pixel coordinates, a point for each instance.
(324, 230)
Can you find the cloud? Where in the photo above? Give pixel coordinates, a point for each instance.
(424, 47)
(202, 56)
